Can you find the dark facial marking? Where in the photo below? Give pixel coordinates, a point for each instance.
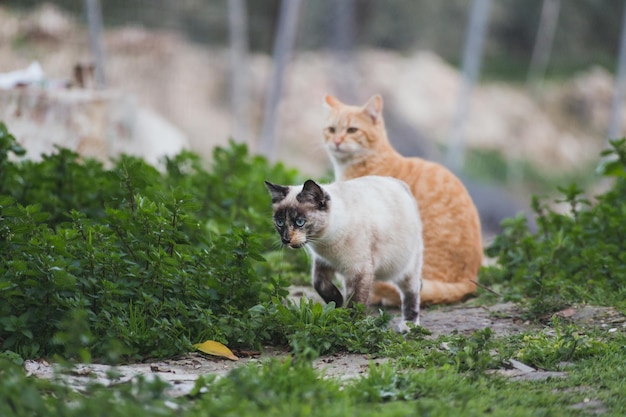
(278, 192)
(312, 193)
(286, 219)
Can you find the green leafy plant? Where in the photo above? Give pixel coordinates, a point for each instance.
(313, 329)
(548, 349)
(146, 261)
(614, 162)
(573, 257)
(472, 353)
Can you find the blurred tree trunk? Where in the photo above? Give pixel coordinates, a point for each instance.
(283, 48)
(341, 42)
(543, 44)
(615, 124)
(472, 55)
(239, 93)
(94, 20)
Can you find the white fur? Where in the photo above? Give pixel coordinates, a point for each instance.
(364, 207)
(344, 154)
(374, 229)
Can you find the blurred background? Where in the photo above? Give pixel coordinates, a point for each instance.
(516, 96)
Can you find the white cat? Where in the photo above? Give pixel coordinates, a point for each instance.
(367, 229)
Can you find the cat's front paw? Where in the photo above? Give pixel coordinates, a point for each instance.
(398, 325)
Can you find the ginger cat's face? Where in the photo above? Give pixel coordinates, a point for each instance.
(350, 130)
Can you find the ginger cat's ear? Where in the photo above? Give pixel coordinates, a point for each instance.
(331, 102)
(374, 107)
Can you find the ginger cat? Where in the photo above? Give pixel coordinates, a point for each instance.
(357, 143)
(367, 229)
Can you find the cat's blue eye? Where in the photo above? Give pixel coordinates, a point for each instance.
(280, 222)
(300, 222)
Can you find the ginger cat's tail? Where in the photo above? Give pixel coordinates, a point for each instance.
(433, 292)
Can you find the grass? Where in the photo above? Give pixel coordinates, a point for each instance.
(423, 379)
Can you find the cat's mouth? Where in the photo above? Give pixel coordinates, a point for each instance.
(295, 245)
(342, 151)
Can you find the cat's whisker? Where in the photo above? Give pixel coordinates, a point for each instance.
(277, 244)
(309, 254)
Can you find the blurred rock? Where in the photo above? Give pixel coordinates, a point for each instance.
(587, 98)
(98, 124)
(33, 74)
(47, 23)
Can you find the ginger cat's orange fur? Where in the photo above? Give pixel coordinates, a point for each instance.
(356, 140)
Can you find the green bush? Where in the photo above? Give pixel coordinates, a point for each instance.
(128, 259)
(575, 257)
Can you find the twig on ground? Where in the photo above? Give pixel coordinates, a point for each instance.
(484, 287)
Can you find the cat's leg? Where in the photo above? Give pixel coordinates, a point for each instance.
(358, 286)
(323, 275)
(410, 287)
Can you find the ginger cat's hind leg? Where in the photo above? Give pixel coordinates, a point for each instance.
(385, 294)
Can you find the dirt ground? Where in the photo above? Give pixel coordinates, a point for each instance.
(182, 371)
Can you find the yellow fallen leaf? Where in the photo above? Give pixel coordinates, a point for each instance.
(216, 349)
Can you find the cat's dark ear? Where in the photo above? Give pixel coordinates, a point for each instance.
(374, 108)
(331, 102)
(278, 192)
(313, 193)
